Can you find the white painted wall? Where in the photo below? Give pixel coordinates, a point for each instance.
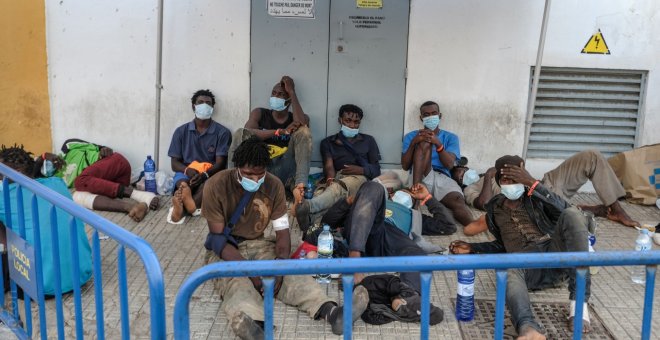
(101, 70)
(473, 57)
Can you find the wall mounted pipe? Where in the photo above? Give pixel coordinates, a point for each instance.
(159, 85)
(535, 79)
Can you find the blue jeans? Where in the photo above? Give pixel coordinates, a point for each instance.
(571, 234)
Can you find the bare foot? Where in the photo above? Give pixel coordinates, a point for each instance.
(153, 205)
(597, 210)
(530, 333)
(616, 213)
(476, 227)
(177, 207)
(138, 211)
(187, 199)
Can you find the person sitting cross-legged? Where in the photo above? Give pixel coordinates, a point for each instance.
(239, 204)
(527, 217)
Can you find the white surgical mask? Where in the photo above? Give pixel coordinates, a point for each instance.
(348, 132)
(203, 111)
(403, 198)
(470, 177)
(513, 191)
(431, 122)
(277, 104)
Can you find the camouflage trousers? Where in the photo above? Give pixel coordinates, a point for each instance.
(239, 295)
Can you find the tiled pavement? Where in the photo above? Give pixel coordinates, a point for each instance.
(615, 299)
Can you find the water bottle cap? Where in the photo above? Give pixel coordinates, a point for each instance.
(148, 156)
(326, 227)
(644, 231)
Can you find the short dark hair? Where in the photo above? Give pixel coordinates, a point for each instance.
(17, 158)
(428, 103)
(252, 152)
(351, 108)
(206, 92)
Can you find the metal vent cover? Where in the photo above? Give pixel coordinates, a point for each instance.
(579, 109)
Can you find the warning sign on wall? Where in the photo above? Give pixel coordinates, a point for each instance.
(291, 8)
(369, 3)
(596, 45)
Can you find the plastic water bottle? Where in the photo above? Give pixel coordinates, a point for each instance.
(643, 243)
(325, 246)
(150, 175)
(465, 295)
(302, 255)
(592, 241)
(309, 190)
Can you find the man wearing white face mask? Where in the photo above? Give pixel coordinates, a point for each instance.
(239, 204)
(528, 217)
(565, 180)
(350, 158)
(197, 151)
(430, 153)
(284, 126)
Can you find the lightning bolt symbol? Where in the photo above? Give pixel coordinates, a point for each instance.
(597, 41)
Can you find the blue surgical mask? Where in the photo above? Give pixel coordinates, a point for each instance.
(277, 104)
(250, 185)
(431, 122)
(203, 111)
(48, 168)
(513, 191)
(403, 198)
(348, 132)
(470, 177)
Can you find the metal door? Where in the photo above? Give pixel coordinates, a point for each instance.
(344, 54)
(297, 47)
(367, 67)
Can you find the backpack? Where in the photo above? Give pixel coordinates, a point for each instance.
(78, 155)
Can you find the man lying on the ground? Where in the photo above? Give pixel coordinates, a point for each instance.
(198, 150)
(350, 158)
(100, 176)
(431, 153)
(375, 226)
(527, 217)
(286, 132)
(239, 203)
(21, 160)
(565, 180)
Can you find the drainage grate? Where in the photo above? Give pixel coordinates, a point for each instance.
(551, 315)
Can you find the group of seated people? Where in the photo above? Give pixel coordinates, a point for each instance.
(374, 213)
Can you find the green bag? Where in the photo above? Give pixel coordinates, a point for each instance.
(79, 156)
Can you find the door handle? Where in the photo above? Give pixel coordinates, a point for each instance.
(341, 30)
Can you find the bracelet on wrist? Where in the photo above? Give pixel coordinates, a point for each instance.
(440, 148)
(428, 197)
(277, 132)
(531, 189)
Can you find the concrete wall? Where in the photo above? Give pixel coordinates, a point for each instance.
(473, 57)
(24, 106)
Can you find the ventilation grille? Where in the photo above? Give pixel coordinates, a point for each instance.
(579, 109)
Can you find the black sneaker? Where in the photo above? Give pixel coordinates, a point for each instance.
(302, 215)
(360, 302)
(245, 328)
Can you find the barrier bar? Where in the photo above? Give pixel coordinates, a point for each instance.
(500, 300)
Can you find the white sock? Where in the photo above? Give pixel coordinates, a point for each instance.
(86, 199)
(142, 196)
(585, 311)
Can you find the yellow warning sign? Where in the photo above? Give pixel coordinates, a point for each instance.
(369, 3)
(596, 45)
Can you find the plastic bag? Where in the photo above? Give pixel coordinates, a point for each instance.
(164, 183)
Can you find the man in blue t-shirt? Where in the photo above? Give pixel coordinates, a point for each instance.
(431, 152)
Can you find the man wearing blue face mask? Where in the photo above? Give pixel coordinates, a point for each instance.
(528, 217)
(239, 204)
(350, 158)
(430, 153)
(198, 150)
(284, 126)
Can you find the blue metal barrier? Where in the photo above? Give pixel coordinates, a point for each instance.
(125, 240)
(426, 265)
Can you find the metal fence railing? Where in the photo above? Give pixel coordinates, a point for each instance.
(426, 265)
(25, 189)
